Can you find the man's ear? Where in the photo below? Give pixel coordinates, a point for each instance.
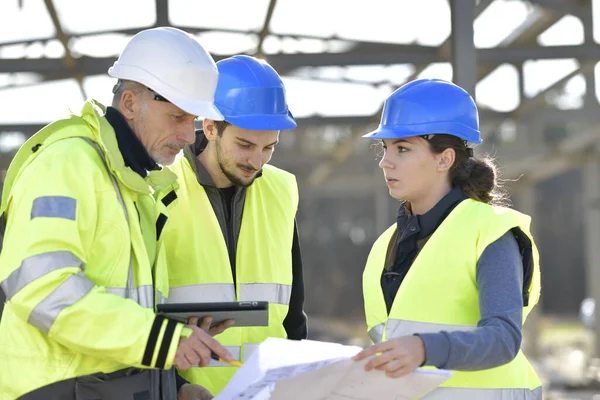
(129, 104)
(446, 159)
(210, 130)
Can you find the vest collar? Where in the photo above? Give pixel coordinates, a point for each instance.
(427, 223)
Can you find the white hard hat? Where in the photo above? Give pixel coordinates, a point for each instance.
(173, 64)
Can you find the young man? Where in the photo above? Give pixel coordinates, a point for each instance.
(233, 236)
(83, 205)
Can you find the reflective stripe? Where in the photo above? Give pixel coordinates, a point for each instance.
(399, 327)
(446, 393)
(274, 293)
(376, 333)
(202, 293)
(54, 207)
(143, 295)
(66, 294)
(235, 352)
(249, 349)
(160, 299)
(37, 266)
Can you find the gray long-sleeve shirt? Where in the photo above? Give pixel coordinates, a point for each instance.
(497, 338)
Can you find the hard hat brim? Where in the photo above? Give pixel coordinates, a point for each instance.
(463, 132)
(263, 122)
(200, 109)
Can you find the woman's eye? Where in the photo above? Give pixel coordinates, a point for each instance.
(244, 146)
(402, 149)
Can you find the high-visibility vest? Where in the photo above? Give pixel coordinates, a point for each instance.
(199, 266)
(80, 263)
(439, 293)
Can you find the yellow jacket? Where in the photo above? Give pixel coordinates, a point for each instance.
(80, 263)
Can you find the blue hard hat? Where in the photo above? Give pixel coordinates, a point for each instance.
(429, 106)
(251, 95)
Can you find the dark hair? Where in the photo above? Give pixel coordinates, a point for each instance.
(476, 176)
(221, 125)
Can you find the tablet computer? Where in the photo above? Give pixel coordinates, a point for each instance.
(244, 313)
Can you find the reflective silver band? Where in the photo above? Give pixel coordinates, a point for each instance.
(37, 266)
(66, 294)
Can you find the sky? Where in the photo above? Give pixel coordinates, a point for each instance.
(342, 91)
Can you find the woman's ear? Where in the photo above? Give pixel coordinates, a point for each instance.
(446, 159)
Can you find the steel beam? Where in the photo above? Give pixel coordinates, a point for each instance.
(539, 114)
(562, 6)
(444, 49)
(361, 55)
(162, 13)
(265, 29)
(464, 55)
(525, 35)
(68, 60)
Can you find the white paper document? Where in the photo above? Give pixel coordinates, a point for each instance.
(309, 370)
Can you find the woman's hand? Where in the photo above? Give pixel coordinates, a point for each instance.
(399, 356)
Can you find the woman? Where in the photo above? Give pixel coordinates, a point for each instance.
(451, 283)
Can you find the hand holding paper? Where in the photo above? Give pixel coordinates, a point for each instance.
(399, 357)
(308, 370)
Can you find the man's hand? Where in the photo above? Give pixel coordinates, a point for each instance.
(399, 356)
(196, 350)
(193, 392)
(212, 330)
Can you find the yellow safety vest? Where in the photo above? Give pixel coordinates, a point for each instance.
(199, 266)
(80, 262)
(440, 293)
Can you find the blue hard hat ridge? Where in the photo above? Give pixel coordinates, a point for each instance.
(429, 106)
(250, 94)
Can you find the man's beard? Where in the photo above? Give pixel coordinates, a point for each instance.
(237, 181)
